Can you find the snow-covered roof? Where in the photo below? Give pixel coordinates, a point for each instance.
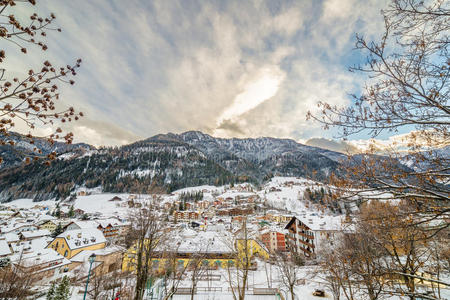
(40, 257)
(191, 241)
(35, 233)
(85, 224)
(113, 221)
(34, 245)
(79, 238)
(322, 222)
(16, 225)
(10, 237)
(84, 255)
(4, 248)
(41, 219)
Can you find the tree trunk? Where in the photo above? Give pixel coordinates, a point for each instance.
(291, 289)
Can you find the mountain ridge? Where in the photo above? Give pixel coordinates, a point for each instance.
(165, 162)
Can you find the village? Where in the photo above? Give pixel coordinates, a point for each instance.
(55, 239)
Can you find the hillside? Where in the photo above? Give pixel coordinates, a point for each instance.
(164, 163)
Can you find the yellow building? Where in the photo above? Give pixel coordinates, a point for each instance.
(254, 248)
(72, 242)
(161, 262)
(49, 225)
(210, 248)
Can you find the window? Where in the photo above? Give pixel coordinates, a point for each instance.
(112, 267)
(66, 253)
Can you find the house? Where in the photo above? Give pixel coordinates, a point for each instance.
(18, 227)
(72, 242)
(74, 225)
(44, 263)
(107, 260)
(254, 249)
(308, 234)
(274, 240)
(78, 212)
(31, 235)
(186, 215)
(10, 238)
(112, 227)
(49, 225)
(115, 199)
(203, 204)
(30, 245)
(4, 249)
(237, 211)
(209, 245)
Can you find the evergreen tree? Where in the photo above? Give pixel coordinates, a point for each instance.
(60, 292)
(51, 292)
(58, 230)
(63, 290)
(71, 212)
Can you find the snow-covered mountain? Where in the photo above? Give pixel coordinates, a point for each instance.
(166, 162)
(259, 157)
(26, 147)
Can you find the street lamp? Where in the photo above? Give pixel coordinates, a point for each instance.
(91, 261)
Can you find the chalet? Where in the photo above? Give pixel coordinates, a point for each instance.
(115, 199)
(18, 227)
(306, 235)
(75, 225)
(31, 235)
(78, 212)
(44, 263)
(186, 215)
(203, 204)
(72, 242)
(112, 227)
(278, 218)
(238, 211)
(221, 212)
(49, 225)
(167, 205)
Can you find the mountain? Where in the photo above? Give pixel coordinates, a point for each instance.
(163, 163)
(26, 147)
(262, 156)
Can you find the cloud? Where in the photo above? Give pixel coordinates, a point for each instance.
(231, 68)
(333, 145)
(263, 87)
(229, 126)
(402, 142)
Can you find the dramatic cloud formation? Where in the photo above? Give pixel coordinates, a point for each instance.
(339, 146)
(229, 68)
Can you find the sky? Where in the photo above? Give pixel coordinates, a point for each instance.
(227, 68)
